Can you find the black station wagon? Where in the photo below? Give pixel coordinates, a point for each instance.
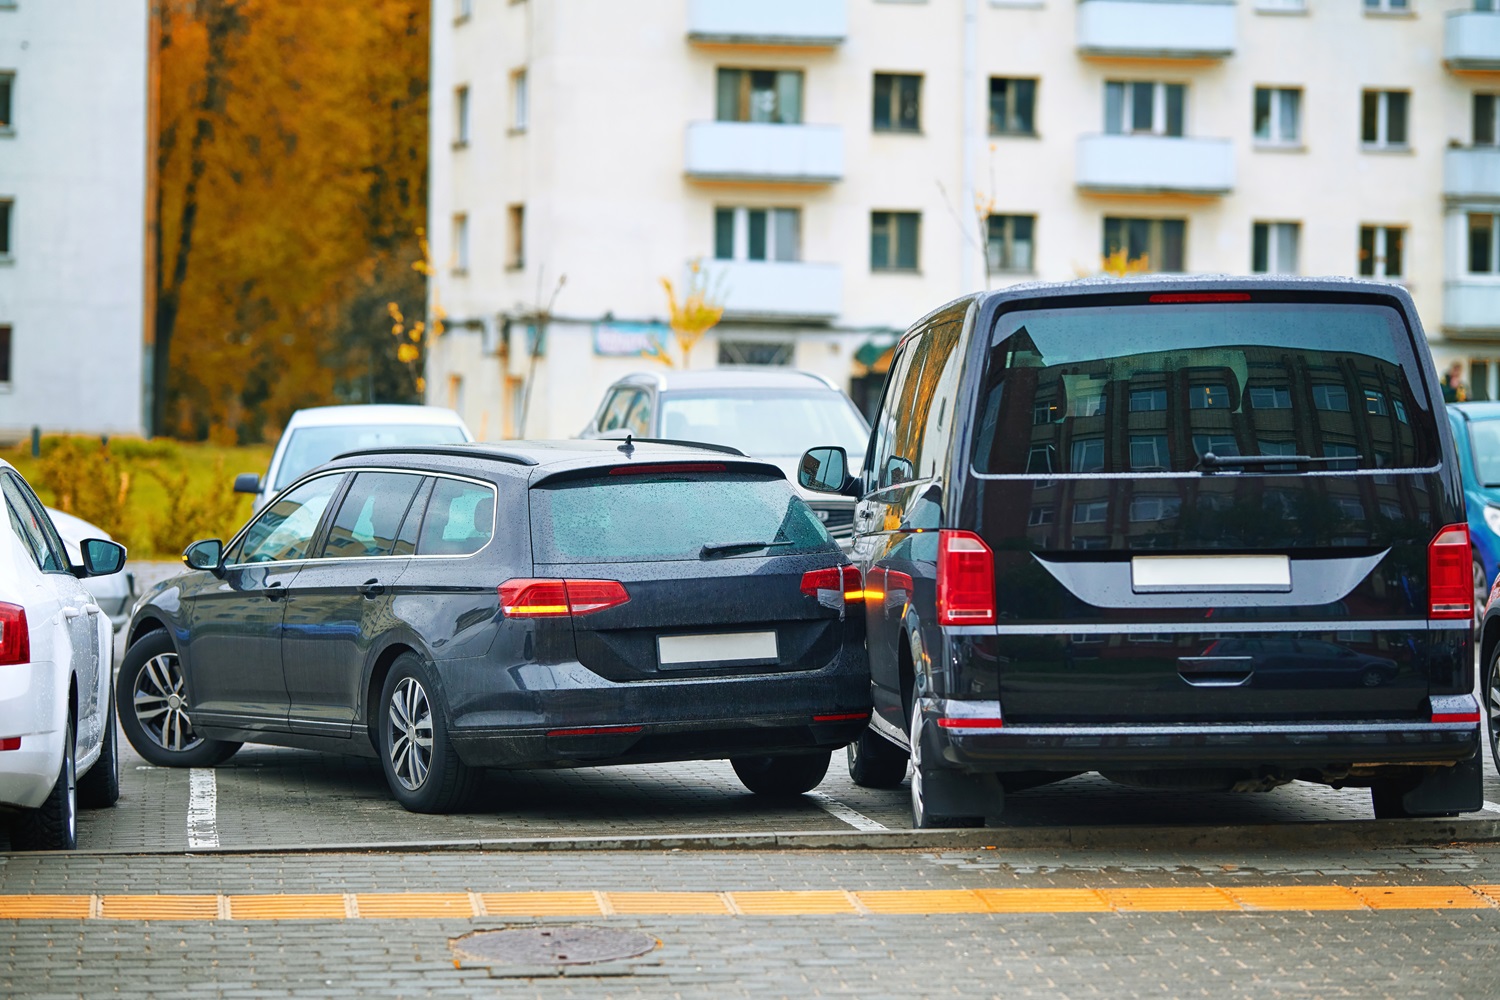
(1191, 533)
(534, 605)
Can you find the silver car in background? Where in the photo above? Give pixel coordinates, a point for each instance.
(114, 593)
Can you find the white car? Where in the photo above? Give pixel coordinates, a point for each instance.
(114, 593)
(319, 433)
(58, 746)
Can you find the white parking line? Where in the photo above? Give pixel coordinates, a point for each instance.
(203, 808)
(838, 810)
(1490, 807)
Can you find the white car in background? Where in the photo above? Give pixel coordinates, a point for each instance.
(114, 593)
(319, 433)
(58, 745)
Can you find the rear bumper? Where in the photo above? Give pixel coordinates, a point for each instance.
(31, 709)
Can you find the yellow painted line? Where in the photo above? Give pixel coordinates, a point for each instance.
(1168, 900)
(1421, 897)
(921, 901)
(159, 907)
(407, 905)
(541, 904)
(1043, 900)
(792, 904)
(44, 907)
(1296, 897)
(1490, 892)
(287, 907)
(666, 902)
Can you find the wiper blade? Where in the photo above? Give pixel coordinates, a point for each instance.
(713, 549)
(1212, 461)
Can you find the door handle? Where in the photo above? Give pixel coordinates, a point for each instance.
(92, 609)
(372, 588)
(274, 591)
(71, 613)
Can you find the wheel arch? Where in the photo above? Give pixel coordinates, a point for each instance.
(376, 683)
(144, 627)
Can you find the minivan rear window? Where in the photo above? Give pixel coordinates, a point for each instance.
(657, 517)
(1151, 388)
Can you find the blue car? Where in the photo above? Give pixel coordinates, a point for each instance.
(1476, 432)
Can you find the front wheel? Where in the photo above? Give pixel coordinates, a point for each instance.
(100, 788)
(875, 762)
(421, 767)
(782, 777)
(151, 697)
(53, 825)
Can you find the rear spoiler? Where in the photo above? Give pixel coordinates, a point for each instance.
(626, 468)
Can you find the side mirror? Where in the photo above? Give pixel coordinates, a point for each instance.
(101, 557)
(206, 554)
(247, 482)
(823, 470)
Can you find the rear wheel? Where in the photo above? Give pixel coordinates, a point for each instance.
(101, 786)
(1492, 706)
(52, 826)
(1481, 590)
(152, 694)
(421, 767)
(782, 777)
(875, 762)
(922, 817)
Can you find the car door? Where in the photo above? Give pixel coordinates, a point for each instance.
(339, 605)
(233, 649)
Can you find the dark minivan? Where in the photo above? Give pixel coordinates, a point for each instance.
(1193, 533)
(533, 605)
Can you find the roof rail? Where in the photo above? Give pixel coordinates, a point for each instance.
(676, 443)
(464, 450)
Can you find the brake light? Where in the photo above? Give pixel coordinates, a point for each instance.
(662, 469)
(15, 636)
(833, 587)
(10, 743)
(842, 717)
(1169, 298)
(1450, 582)
(1471, 717)
(559, 598)
(968, 722)
(965, 579)
(595, 731)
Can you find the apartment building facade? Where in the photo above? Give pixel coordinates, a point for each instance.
(73, 94)
(834, 169)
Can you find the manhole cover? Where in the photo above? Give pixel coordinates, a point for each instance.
(552, 946)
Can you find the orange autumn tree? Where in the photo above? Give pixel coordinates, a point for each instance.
(290, 148)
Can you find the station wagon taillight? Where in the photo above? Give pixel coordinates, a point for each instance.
(559, 598)
(1450, 581)
(965, 579)
(833, 587)
(15, 636)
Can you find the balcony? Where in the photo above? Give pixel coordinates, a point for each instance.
(1471, 40)
(752, 151)
(1154, 164)
(1160, 29)
(804, 23)
(766, 289)
(1472, 306)
(1471, 172)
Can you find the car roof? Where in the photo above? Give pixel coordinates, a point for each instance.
(1477, 410)
(729, 377)
(546, 458)
(372, 413)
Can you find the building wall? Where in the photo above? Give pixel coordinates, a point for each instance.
(614, 87)
(73, 166)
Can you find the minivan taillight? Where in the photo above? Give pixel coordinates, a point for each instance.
(15, 636)
(559, 598)
(965, 579)
(1450, 581)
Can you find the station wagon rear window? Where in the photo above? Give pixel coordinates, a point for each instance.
(658, 517)
(1152, 388)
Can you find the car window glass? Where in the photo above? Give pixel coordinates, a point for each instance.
(370, 515)
(765, 421)
(638, 420)
(460, 519)
(29, 540)
(618, 408)
(885, 420)
(936, 395)
(406, 539)
(286, 528)
(46, 548)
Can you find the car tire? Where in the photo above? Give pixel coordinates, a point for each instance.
(1386, 798)
(53, 826)
(876, 762)
(923, 818)
(782, 777)
(426, 778)
(100, 788)
(1491, 691)
(151, 694)
(1481, 592)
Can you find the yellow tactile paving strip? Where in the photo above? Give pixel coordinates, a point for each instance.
(914, 902)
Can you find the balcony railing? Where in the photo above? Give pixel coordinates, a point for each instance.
(1163, 29)
(1471, 40)
(1471, 172)
(1472, 306)
(1150, 164)
(816, 23)
(777, 289)
(752, 151)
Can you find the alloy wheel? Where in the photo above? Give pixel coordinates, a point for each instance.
(409, 733)
(918, 805)
(160, 704)
(1492, 699)
(70, 800)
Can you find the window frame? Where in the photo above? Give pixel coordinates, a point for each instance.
(893, 244)
(515, 236)
(1007, 243)
(1012, 101)
(438, 477)
(1273, 246)
(520, 102)
(740, 233)
(7, 228)
(7, 356)
(743, 96)
(7, 103)
(1492, 247)
(1160, 117)
(50, 538)
(461, 116)
(1274, 117)
(893, 100)
(1380, 251)
(1156, 238)
(1480, 97)
(417, 494)
(315, 540)
(1382, 139)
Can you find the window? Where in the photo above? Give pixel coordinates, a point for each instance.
(1270, 397)
(460, 519)
(1090, 512)
(1087, 456)
(1148, 453)
(755, 352)
(1486, 119)
(515, 255)
(461, 244)
(5, 376)
(370, 516)
(1483, 255)
(285, 529)
(1039, 516)
(1333, 398)
(1388, 6)
(1143, 107)
(1155, 508)
(1010, 242)
(760, 95)
(520, 108)
(7, 88)
(461, 117)
(6, 210)
(757, 234)
(462, 9)
(1273, 247)
(893, 240)
(1012, 106)
(1208, 397)
(1278, 116)
(898, 102)
(1380, 251)
(1162, 242)
(32, 525)
(1148, 400)
(1383, 122)
(1281, 5)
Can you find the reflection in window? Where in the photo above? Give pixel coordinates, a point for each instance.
(1039, 459)
(1208, 397)
(1088, 455)
(1092, 405)
(1148, 452)
(1090, 511)
(1043, 411)
(1155, 508)
(1350, 507)
(1040, 516)
(1271, 397)
(1391, 511)
(1148, 400)
(1375, 403)
(1331, 397)
(1219, 444)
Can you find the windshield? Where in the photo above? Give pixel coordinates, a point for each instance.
(312, 446)
(764, 422)
(1152, 388)
(1484, 440)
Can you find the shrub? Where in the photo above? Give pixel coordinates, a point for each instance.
(208, 511)
(87, 481)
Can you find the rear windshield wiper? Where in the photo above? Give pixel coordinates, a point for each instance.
(1211, 461)
(713, 549)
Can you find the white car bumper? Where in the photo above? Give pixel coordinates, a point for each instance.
(29, 708)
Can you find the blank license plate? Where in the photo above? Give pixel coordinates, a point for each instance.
(722, 647)
(1186, 574)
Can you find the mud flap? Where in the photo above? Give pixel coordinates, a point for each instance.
(958, 793)
(1456, 789)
